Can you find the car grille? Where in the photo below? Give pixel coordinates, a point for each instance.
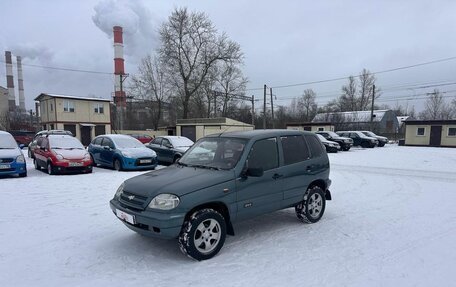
(6, 160)
(138, 163)
(133, 201)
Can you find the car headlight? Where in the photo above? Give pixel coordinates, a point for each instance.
(164, 201)
(20, 159)
(87, 156)
(373, 141)
(126, 154)
(59, 156)
(119, 190)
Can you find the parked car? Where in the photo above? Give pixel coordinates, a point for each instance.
(22, 137)
(359, 139)
(61, 154)
(142, 137)
(249, 174)
(170, 148)
(122, 152)
(32, 144)
(345, 143)
(329, 145)
(12, 161)
(382, 141)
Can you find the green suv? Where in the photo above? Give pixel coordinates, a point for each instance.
(223, 179)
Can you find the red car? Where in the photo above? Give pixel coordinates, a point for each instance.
(142, 137)
(61, 154)
(22, 137)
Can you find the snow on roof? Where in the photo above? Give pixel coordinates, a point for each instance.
(71, 97)
(401, 119)
(356, 116)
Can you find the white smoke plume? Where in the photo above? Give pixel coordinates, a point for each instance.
(33, 52)
(140, 27)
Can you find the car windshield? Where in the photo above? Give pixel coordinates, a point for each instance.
(216, 153)
(64, 142)
(7, 142)
(333, 134)
(369, 134)
(321, 138)
(127, 142)
(181, 142)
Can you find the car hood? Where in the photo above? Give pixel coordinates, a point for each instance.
(71, 153)
(178, 180)
(382, 138)
(10, 153)
(137, 152)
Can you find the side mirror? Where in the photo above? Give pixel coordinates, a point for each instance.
(21, 146)
(255, 172)
(168, 145)
(106, 147)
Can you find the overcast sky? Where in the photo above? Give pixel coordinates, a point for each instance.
(284, 43)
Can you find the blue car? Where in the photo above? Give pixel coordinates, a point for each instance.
(121, 152)
(12, 161)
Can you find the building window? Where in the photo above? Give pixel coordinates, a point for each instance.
(98, 108)
(68, 106)
(420, 131)
(52, 107)
(451, 132)
(100, 130)
(321, 129)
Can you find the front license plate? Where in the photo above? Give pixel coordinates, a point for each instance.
(75, 163)
(125, 216)
(145, 161)
(5, 166)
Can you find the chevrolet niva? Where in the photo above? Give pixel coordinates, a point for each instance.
(223, 179)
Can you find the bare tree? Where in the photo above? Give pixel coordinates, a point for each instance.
(150, 84)
(347, 100)
(190, 46)
(365, 92)
(307, 105)
(232, 82)
(436, 108)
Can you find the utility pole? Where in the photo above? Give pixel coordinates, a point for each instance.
(215, 104)
(264, 109)
(372, 108)
(253, 111)
(272, 109)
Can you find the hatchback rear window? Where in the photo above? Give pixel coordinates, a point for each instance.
(316, 147)
(294, 149)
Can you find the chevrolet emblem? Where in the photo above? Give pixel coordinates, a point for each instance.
(131, 197)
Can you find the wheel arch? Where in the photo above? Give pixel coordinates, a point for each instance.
(219, 207)
(321, 184)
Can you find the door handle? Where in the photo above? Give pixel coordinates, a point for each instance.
(309, 168)
(277, 176)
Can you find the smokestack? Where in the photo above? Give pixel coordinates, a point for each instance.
(20, 84)
(119, 70)
(10, 82)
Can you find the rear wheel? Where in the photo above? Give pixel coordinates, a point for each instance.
(35, 163)
(203, 234)
(312, 208)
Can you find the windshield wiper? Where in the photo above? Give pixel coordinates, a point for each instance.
(204, 166)
(182, 164)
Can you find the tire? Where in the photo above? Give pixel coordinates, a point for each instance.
(312, 208)
(23, 174)
(203, 234)
(37, 166)
(117, 165)
(50, 169)
(346, 149)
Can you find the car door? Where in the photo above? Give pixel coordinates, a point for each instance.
(356, 138)
(95, 149)
(40, 151)
(258, 195)
(295, 168)
(167, 150)
(155, 145)
(107, 152)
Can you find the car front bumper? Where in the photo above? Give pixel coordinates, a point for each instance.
(152, 223)
(135, 163)
(14, 168)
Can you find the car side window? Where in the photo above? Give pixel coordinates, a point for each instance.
(264, 154)
(294, 149)
(316, 147)
(354, 135)
(44, 143)
(107, 142)
(157, 141)
(166, 142)
(39, 141)
(97, 141)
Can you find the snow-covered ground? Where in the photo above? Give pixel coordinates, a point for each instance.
(392, 222)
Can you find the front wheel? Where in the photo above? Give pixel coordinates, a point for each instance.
(203, 234)
(311, 209)
(117, 165)
(50, 168)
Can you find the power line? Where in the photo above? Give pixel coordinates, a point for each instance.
(64, 69)
(374, 73)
